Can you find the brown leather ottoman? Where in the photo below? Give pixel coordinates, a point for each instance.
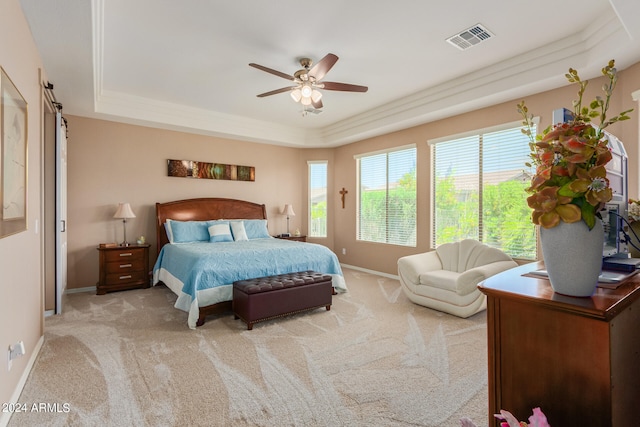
(266, 298)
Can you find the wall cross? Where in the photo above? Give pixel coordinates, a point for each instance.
(343, 193)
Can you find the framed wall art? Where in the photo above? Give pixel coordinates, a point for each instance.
(205, 170)
(13, 158)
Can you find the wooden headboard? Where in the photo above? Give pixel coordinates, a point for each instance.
(202, 210)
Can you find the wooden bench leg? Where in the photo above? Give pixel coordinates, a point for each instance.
(328, 307)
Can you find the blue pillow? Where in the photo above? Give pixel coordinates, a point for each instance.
(256, 229)
(187, 231)
(220, 232)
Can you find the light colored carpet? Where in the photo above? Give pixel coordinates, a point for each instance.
(375, 359)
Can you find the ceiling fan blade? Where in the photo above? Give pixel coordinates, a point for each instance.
(317, 105)
(273, 92)
(272, 71)
(345, 87)
(323, 66)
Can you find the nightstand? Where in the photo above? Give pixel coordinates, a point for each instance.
(123, 267)
(294, 238)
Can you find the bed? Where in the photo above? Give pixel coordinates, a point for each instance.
(205, 244)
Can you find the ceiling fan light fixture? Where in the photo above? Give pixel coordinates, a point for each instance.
(296, 94)
(307, 82)
(306, 90)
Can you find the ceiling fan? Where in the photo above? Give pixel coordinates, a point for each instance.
(307, 81)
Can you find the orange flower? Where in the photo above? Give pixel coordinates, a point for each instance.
(593, 184)
(549, 207)
(570, 182)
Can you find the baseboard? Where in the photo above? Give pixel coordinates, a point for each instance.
(366, 270)
(5, 417)
(77, 290)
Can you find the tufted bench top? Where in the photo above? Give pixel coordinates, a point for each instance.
(280, 281)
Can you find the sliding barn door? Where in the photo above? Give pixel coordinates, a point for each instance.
(61, 210)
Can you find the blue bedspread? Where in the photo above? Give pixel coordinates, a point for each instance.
(200, 267)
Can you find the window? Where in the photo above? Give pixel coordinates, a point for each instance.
(317, 198)
(387, 197)
(479, 184)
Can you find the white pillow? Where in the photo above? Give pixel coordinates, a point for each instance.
(239, 233)
(220, 232)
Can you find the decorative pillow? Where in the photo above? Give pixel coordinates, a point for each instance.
(256, 228)
(239, 233)
(187, 231)
(220, 232)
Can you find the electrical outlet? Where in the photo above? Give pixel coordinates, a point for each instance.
(344, 251)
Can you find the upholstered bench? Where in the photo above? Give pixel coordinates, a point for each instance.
(266, 298)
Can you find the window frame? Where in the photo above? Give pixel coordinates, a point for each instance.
(359, 186)
(310, 164)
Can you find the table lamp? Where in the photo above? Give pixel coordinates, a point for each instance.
(288, 211)
(124, 211)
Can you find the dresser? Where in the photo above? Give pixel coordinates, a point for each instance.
(578, 359)
(123, 267)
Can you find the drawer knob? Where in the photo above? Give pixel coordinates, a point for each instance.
(126, 254)
(126, 265)
(125, 277)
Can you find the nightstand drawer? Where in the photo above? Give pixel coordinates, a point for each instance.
(125, 265)
(127, 255)
(126, 277)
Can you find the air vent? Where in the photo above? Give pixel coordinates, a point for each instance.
(470, 37)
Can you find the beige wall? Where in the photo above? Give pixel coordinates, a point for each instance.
(21, 306)
(111, 162)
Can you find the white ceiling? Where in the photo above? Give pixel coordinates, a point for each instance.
(183, 65)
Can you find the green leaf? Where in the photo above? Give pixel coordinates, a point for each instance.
(565, 191)
(589, 215)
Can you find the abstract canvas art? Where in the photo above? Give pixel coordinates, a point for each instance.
(205, 170)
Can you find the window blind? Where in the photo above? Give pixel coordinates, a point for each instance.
(317, 198)
(479, 184)
(387, 197)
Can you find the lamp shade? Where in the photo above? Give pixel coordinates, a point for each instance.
(124, 211)
(296, 95)
(288, 210)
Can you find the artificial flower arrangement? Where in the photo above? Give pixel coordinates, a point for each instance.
(634, 210)
(538, 419)
(570, 181)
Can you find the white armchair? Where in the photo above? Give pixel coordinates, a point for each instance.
(447, 278)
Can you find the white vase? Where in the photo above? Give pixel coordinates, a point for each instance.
(573, 257)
